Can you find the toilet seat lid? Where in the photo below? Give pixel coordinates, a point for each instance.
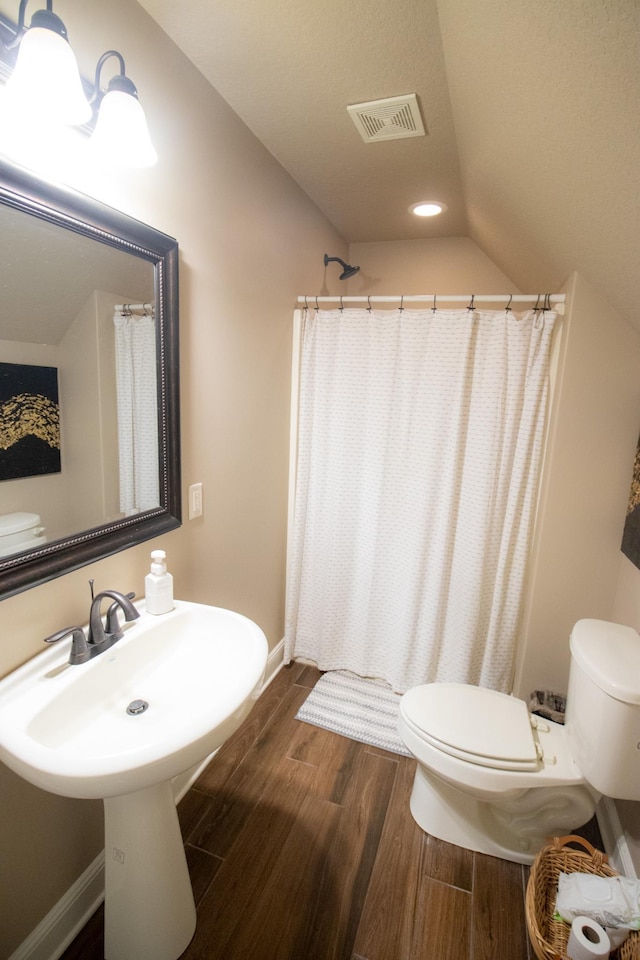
(474, 723)
(11, 523)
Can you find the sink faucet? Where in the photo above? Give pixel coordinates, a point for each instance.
(99, 637)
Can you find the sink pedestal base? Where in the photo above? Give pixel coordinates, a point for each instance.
(149, 909)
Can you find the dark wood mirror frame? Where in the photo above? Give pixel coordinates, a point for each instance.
(22, 190)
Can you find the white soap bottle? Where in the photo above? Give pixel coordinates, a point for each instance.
(158, 585)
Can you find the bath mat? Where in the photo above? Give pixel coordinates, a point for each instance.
(355, 707)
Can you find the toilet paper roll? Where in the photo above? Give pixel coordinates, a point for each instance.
(588, 940)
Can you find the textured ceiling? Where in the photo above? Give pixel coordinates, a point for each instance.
(532, 112)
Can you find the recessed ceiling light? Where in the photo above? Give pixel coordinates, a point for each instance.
(427, 208)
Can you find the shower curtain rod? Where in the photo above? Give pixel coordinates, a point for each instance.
(147, 308)
(556, 300)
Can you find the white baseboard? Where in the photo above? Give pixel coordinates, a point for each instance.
(614, 839)
(275, 663)
(64, 921)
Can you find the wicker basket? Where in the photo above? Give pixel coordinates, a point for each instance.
(549, 937)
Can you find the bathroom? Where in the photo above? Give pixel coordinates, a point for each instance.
(251, 241)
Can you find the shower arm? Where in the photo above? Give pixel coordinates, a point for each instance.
(347, 269)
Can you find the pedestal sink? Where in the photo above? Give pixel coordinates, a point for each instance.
(119, 728)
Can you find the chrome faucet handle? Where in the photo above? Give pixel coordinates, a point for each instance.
(79, 649)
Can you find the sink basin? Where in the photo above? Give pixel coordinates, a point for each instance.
(194, 674)
(65, 728)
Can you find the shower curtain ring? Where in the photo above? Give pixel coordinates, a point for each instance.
(471, 306)
(508, 306)
(401, 303)
(341, 304)
(433, 308)
(537, 306)
(306, 305)
(369, 302)
(317, 304)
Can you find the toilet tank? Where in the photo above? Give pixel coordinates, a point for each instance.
(603, 706)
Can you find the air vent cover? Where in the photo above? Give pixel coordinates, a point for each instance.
(390, 119)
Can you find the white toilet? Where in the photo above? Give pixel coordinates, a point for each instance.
(20, 531)
(492, 778)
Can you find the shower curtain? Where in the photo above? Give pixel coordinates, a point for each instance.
(137, 398)
(419, 444)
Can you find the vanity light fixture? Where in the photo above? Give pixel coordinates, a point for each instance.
(45, 82)
(427, 208)
(45, 86)
(121, 134)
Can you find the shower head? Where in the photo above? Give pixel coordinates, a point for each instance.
(347, 269)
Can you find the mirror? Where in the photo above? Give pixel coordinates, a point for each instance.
(89, 395)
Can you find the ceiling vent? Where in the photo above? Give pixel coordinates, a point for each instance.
(390, 119)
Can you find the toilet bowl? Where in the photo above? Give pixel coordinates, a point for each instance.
(493, 778)
(20, 531)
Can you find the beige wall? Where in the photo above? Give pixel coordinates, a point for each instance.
(575, 570)
(452, 265)
(250, 241)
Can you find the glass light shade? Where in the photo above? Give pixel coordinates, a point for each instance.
(46, 81)
(121, 136)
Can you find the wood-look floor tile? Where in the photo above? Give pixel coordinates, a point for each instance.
(202, 869)
(308, 676)
(498, 925)
(283, 920)
(442, 924)
(336, 758)
(385, 928)
(244, 876)
(191, 809)
(236, 747)
(311, 744)
(237, 794)
(447, 863)
(341, 895)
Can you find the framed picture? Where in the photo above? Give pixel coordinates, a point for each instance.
(631, 536)
(29, 421)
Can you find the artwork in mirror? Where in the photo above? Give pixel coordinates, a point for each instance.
(631, 533)
(90, 294)
(29, 420)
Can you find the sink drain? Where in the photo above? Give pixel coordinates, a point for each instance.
(136, 707)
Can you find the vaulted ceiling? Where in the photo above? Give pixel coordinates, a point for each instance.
(531, 110)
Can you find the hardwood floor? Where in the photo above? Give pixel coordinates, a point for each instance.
(301, 847)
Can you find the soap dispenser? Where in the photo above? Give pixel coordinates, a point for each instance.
(158, 585)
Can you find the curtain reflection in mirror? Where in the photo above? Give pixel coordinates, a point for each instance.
(137, 395)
